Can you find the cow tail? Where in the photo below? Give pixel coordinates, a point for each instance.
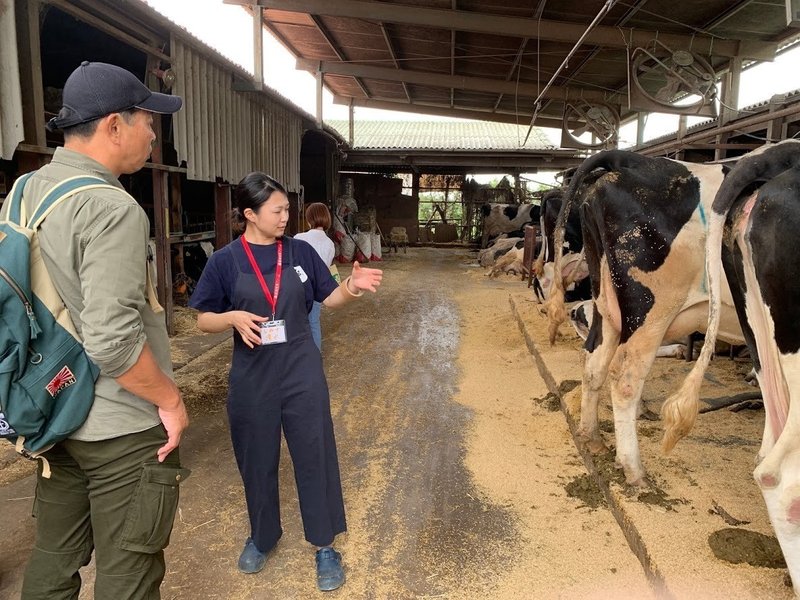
(679, 411)
(538, 265)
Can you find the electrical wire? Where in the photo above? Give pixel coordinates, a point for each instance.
(537, 103)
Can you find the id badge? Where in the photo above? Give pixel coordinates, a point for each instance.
(273, 332)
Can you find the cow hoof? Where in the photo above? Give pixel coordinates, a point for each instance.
(596, 446)
(593, 443)
(637, 482)
(633, 476)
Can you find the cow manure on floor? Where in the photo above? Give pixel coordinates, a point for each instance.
(650, 432)
(585, 489)
(550, 402)
(607, 470)
(743, 546)
(657, 497)
(566, 386)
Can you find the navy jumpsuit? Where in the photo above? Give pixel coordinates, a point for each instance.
(282, 385)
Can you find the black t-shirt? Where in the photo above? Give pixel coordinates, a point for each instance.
(214, 291)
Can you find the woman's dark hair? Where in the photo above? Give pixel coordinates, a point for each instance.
(253, 190)
(318, 215)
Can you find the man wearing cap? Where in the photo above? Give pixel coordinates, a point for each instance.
(114, 483)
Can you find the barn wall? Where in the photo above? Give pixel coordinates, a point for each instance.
(392, 207)
(227, 133)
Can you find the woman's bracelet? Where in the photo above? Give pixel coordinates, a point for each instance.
(347, 289)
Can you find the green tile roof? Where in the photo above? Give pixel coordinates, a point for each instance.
(441, 135)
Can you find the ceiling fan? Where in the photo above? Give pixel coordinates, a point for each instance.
(673, 81)
(582, 117)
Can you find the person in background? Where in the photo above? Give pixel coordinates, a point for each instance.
(318, 218)
(263, 285)
(113, 487)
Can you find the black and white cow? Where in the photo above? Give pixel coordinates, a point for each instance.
(573, 238)
(581, 314)
(753, 233)
(500, 246)
(505, 218)
(643, 223)
(574, 270)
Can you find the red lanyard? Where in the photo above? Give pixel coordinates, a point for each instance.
(273, 302)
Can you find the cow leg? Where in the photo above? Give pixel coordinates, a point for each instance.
(631, 364)
(783, 507)
(776, 384)
(595, 370)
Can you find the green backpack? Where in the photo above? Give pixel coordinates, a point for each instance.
(46, 379)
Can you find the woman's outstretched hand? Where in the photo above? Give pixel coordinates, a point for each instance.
(365, 279)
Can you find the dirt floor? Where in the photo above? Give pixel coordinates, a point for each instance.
(460, 473)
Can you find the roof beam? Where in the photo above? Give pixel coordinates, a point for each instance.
(521, 52)
(335, 47)
(393, 54)
(558, 31)
(462, 82)
(443, 110)
(471, 161)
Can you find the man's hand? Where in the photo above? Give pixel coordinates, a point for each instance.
(175, 420)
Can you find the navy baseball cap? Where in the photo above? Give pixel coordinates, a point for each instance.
(96, 89)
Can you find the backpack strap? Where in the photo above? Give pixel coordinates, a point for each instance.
(15, 199)
(60, 192)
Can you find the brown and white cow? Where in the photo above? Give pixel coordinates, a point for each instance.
(643, 224)
(753, 233)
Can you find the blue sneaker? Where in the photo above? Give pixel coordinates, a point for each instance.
(251, 560)
(330, 574)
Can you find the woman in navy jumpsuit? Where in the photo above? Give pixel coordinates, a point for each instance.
(276, 379)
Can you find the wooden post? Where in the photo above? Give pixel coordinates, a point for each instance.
(640, 122)
(161, 209)
(258, 47)
(222, 215)
(776, 129)
(175, 204)
(682, 121)
(30, 63)
(415, 196)
(319, 99)
(350, 115)
(161, 227)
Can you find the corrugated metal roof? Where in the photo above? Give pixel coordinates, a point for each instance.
(441, 135)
